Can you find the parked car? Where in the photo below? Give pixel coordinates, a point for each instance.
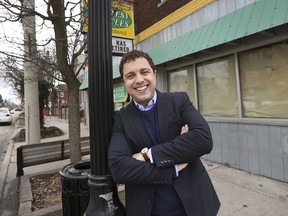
(5, 115)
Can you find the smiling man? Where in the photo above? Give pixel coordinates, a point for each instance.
(155, 148)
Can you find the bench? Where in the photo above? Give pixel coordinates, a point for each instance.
(35, 154)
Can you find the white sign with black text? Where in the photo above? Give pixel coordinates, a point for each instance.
(121, 45)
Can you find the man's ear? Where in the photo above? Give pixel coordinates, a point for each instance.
(155, 72)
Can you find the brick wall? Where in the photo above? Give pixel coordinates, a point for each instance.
(147, 12)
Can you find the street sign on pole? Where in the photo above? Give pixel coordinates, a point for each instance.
(121, 46)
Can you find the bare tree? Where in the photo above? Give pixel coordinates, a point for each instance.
(1, 99)
(64, 18)
(15, 77)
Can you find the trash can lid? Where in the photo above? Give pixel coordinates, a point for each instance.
(77, 170)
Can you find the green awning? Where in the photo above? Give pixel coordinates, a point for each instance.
(255, 17)
(84, 85)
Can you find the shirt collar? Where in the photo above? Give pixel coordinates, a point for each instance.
(149, 105)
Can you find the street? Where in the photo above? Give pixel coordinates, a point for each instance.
(9, 202)
(6, 134)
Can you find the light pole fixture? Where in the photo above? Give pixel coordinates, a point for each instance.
(104, 198)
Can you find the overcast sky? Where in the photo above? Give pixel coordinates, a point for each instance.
(8, 93)
(14, 30)
(8, 30)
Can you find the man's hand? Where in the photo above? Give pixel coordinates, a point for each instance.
(138, 156)
(184, 129)
(181, 166)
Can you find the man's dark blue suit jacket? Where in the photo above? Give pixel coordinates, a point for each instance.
(129, 136)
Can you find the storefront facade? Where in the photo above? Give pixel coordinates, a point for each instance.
(231, 57)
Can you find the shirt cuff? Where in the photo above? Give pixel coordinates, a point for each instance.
(149, 153)
(176, 170)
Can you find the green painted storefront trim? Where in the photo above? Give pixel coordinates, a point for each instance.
(84, 85)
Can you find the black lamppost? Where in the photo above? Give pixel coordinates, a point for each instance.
(104, 198)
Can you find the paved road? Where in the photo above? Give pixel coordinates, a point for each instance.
(9, 202)
(6, 134)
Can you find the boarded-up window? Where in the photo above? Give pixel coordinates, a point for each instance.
(217, 89)
(264, 82)
(182, 80)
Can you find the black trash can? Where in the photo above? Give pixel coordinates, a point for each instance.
(75, 189)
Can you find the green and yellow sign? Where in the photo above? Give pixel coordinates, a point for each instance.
(85, 15)
(121, 17)
(120, 94)
(122, 20)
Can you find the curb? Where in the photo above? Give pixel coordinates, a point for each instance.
(25, 196)
(4, 168)
(55, 210)
(26, 199)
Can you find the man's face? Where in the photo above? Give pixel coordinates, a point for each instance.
(140, 80)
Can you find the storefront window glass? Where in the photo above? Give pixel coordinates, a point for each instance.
(182, 80)
(217, 88)
(264, 82)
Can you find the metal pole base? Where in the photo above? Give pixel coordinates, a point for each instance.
(104, 198)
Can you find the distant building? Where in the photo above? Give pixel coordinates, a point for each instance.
(60, 107)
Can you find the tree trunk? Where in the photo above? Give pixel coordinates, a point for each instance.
(70, 78)
(74, 121)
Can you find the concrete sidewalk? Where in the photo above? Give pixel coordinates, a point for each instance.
(240, 193)
(244, 194)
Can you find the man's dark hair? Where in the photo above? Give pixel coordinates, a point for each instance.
(131, 56)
